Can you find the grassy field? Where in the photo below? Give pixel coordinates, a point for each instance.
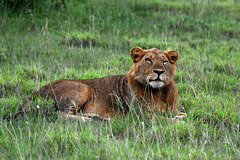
(91, 39)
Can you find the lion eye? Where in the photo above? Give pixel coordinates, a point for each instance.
(165, 62)
(148, 60)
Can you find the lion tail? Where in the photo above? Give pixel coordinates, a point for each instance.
(22, 109)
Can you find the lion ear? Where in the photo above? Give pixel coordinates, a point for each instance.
(137, 53)
(172, 56)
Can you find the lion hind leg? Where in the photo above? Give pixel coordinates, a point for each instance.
(82, 118)
(72, 117)
(96, 116)
(74, 99)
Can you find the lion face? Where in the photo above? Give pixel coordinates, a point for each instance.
(153, 67)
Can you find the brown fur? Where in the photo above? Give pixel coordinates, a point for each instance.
(108, 96)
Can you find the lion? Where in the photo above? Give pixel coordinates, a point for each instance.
(149, 84)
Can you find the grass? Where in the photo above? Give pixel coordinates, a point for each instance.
(85, 40)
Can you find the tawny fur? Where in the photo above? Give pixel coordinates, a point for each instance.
(149, 83)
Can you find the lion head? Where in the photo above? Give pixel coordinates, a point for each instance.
(153, 67)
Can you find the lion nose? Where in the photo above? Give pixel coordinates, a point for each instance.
(158, 71)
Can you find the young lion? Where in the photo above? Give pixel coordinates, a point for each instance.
(149, 84)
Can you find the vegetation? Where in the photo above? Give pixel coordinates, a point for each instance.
(42, 42)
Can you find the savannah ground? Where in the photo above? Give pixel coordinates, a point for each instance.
(50, 40)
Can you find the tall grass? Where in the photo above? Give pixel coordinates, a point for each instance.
(91, 39)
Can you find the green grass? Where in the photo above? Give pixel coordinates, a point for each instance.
(91, 39)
